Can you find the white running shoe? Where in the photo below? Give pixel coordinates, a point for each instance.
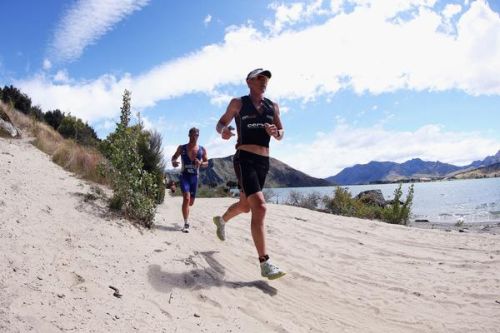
(270, 271)
(219, 223)
(186, 228)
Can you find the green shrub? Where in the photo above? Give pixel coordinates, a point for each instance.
(342, 203)
(397, 213)
(150, 150)
(309, 201)
(74, 128)
(134, 189)
(54, 118)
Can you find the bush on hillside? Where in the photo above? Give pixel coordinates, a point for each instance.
(134, 189)
(149, 149)
(36, 112)
(74, 128)
(19, 100)
(54, 118)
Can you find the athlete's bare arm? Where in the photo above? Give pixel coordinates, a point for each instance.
(204, 159)
(175, 156)
(276, 129)
(232, 110)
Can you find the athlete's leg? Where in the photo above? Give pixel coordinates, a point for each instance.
(237, 208)
(186, 199)
(193, 186)
(257, 205)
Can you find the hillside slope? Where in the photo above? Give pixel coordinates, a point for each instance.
(61, 252)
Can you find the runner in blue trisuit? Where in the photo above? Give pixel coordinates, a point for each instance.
(193, 157)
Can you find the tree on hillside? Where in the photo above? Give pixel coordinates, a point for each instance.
(74, 128)
(134, 189)
(20, 101)
(54, 118)
(36, 112)
(150, 149)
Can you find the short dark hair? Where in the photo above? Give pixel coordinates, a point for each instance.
(194, 129)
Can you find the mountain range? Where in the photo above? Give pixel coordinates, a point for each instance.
(220, 172)
(414, 170)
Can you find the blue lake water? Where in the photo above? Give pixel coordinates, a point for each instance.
(473, 200)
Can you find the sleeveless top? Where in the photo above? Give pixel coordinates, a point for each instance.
(188, 166)
(250, 123)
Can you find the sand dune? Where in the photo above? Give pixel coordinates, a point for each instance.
(60, 251)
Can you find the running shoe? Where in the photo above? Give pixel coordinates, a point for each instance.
(221, 232)
(270, 271)
(186, 228)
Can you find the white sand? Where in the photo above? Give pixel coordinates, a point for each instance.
(59, 255)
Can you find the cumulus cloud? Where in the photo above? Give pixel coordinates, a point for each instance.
(85, 22)
(91, 101)
(367, 49)
(46, 64)
(451, 10)
(207, 19)
(290, 14)
(346, 146)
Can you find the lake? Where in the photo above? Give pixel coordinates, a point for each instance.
(473, 200)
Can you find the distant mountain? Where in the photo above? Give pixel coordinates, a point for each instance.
(492, 170)
(415, 169)
(220, 171)
(489, 160)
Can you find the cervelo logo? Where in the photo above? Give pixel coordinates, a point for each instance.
(255, 125)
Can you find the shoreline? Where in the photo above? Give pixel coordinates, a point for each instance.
(490, 227)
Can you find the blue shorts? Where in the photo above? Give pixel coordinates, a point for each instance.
(189, 183)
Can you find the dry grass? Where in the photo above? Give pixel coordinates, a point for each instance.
(83, 161)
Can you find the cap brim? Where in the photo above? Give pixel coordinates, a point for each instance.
(265, 73)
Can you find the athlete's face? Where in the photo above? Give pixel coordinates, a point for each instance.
(258, 83)
(193, 135)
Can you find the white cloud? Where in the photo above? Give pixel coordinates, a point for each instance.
(61, 76)
(293, 13)
(220, 99)
(451, 10)
(85, 22)
(91, 101)
(363, 50)
(46, 64)
(346, 146)
(207, 19)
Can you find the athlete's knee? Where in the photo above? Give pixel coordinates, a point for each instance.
(191, 201)
(259, 208)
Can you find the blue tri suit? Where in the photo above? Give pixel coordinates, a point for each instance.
(189, 173)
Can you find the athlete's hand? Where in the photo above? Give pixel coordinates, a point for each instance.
(197, 163)
(175, 164)
(271, 129)
(227, 132)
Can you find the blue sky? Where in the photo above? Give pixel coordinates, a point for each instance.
(356, 80)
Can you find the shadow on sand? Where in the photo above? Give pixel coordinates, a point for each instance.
(201, 278)
(174, 227)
